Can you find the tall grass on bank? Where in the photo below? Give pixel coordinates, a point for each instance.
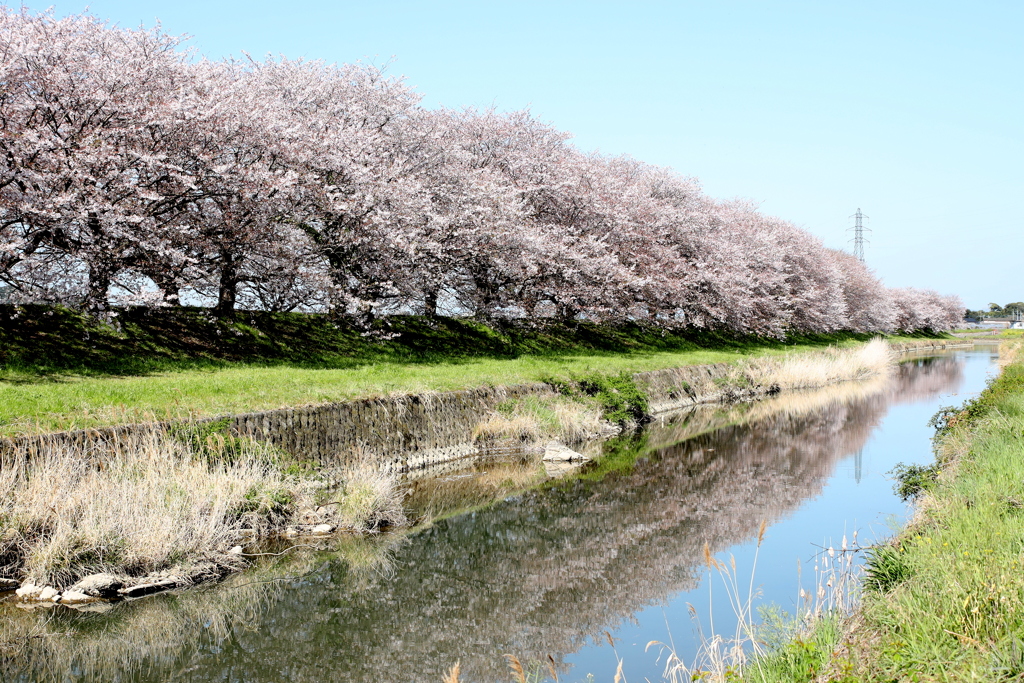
(769, 645)
(799, 648)
(820, 368)
(946, 602)
(720, 658)
(163, 502)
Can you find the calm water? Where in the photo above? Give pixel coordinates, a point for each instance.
(545, 571)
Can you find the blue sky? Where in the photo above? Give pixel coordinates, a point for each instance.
(912, 111)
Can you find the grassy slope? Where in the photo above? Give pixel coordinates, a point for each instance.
(59, 370)
(948, 601)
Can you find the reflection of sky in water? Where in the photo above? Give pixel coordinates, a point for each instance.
(857, 496)
(547, 570)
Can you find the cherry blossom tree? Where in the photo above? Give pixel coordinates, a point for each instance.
(131, 171)
(869, 305)
(86, 117)
(926, 309)
(343, 132)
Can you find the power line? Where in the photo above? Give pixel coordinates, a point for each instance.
(858, 235)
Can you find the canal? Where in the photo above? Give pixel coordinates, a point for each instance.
(578, 571)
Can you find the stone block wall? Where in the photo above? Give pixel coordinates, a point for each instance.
(677, 388)
(399, 433)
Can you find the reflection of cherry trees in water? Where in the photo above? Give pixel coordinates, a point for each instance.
(925, 378)
(534, 574)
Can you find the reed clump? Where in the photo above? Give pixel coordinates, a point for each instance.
(161, 501)
(367, 500)
(819, 368)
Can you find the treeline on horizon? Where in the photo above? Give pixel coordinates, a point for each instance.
(133, 172)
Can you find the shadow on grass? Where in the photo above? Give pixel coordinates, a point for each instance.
(46, 344)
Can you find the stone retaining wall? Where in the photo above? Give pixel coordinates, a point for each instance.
(400, 433)
(403, 433)
(678, 388)
(930, 345)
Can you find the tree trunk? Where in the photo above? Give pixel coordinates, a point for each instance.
(228, 290)
(430, 303)
(101, 271)
(486, 295)
(567, 312)
(99, 285)
(168, 287)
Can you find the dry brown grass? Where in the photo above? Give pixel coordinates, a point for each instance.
(149, 504)
(453, 674)
(367, 500)
(535, 419)
(820, 368)
(155, 503)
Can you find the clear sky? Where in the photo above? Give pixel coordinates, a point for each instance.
(912, 111)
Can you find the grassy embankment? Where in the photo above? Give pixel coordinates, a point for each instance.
(944, 601)
(59, 370)
(177, 502)
(989, 334)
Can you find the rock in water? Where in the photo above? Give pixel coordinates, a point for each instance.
(559, 452)
(48, 593)
(72, 597)
(29, 591)
(99, 585)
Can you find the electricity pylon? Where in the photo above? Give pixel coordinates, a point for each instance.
(858, 235)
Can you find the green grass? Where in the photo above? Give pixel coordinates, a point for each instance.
(990, 333)
(796, 658)
(946, 601)
(60, 370)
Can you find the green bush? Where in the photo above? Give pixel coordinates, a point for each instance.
(913, 480)
(884, 568)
